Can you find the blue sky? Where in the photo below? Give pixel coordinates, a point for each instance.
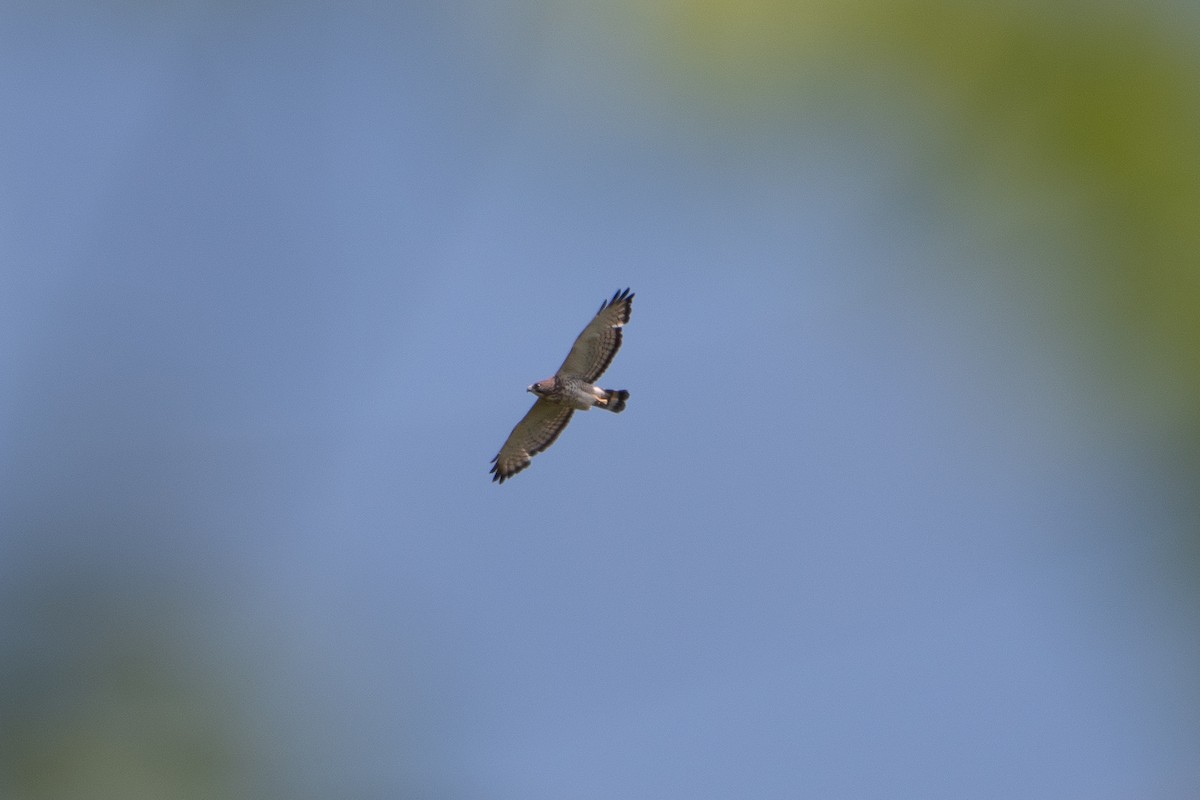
(277, 278)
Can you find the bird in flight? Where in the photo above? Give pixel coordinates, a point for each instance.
(573, 388)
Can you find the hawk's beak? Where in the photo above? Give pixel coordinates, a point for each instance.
(530, 388)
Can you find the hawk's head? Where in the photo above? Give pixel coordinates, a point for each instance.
(542, 388)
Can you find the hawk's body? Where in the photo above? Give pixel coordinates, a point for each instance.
(580, 395)
(571, 389)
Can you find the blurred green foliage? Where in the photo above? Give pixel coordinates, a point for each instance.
(1073, 124)
(105, 692)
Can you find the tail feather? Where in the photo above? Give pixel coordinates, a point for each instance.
(614, 400)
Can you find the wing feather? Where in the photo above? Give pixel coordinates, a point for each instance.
(593, 351)
(536, 431)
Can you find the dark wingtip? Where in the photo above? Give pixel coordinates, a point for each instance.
(620, 295)
(500, 477)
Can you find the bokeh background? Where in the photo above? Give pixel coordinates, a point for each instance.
(905, 500)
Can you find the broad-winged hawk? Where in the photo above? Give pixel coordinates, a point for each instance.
(571, 389)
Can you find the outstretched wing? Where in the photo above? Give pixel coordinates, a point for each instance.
(593, 351)
(533, 434)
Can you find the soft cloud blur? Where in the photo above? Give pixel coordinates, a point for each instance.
(903, 503)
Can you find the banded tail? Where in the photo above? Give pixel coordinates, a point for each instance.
(614, 400)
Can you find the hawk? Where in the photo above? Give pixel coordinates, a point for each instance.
(571, 389)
